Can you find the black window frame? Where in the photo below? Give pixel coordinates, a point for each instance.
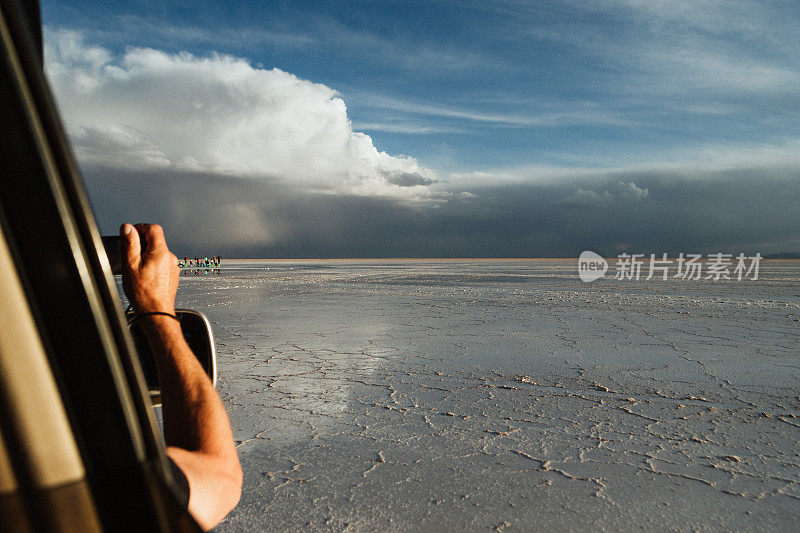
(46, 218)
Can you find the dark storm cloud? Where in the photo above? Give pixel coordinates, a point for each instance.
(407, 179)
(742, 211)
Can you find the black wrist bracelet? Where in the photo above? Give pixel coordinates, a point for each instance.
(151, 313)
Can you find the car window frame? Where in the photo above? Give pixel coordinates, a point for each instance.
(54, 240)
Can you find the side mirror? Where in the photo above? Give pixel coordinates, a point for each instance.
(197, 332)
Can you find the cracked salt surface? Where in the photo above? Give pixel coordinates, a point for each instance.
(492, 395)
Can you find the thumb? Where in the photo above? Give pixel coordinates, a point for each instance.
(130, 247)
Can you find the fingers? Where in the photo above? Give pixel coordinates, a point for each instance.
(141, 241)
(153, 238)
(130, 247)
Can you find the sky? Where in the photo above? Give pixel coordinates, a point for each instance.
(436, 129)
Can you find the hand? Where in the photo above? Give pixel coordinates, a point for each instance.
(150, 279)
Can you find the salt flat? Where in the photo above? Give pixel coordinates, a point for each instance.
(452, 395)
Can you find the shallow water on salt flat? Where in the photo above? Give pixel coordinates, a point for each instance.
(451, 395)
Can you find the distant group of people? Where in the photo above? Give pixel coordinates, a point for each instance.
(198, 265)
(202, 262)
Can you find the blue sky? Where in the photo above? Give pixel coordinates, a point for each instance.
(473, 85)
(475, 93)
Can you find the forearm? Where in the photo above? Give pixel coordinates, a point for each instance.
(194, 418)
(196, 429)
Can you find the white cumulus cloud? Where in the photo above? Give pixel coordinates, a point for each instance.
(630, 190)
(149, 110)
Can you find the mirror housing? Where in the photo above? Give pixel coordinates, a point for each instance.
(199, 336)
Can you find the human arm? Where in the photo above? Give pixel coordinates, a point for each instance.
(196, 429)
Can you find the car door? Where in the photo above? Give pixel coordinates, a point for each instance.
(67, 363)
